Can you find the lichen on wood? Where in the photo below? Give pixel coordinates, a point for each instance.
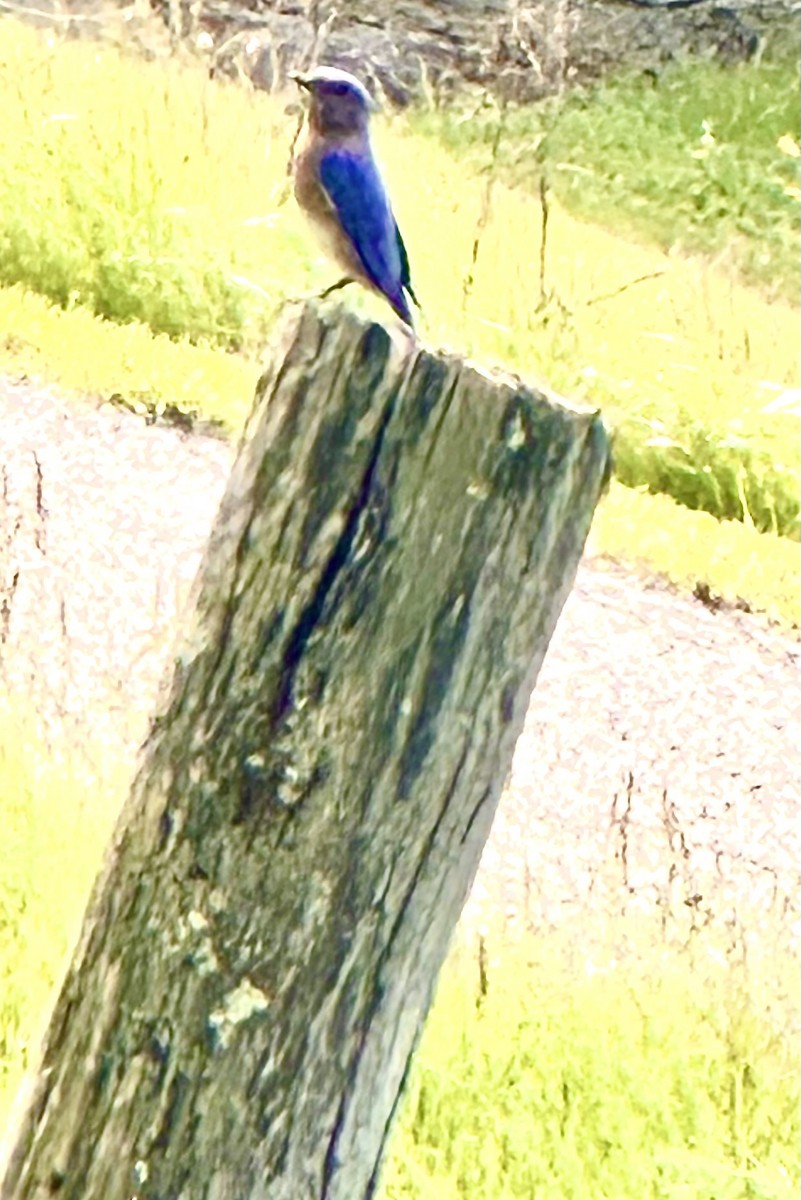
(396, 541)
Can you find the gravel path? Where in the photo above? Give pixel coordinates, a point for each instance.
(660, 750)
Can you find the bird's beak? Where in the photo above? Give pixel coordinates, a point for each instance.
(301, 80)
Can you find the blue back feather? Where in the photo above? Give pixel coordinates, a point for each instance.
(354, 186)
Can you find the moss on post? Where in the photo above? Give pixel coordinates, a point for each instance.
(397, 538)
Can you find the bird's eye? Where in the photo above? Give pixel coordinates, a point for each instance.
(338, 89)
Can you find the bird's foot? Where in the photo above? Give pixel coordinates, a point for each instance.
(335, 287)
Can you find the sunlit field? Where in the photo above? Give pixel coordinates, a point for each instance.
(701, 158)
(148, 240)
(148, 209)
(627, 1056)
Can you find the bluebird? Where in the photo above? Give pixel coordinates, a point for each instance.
(339, 187)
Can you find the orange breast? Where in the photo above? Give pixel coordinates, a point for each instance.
(314, 202)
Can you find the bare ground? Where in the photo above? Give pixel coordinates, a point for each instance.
(659, 764)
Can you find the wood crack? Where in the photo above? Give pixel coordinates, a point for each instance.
(340, 556)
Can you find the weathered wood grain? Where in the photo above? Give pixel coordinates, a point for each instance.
(396, 541)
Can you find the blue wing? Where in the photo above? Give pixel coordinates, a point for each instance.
(354, 187)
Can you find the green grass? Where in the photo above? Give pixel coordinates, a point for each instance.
(163, 241)
(658, 1080)
(715, 471)
(696, 552)
(57, 806)
(89, 356)
(95, 357)
(612, 1060)
(119, 191)
(123, 191)
(700, 157)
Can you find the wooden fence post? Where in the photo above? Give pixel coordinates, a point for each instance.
(396, 542)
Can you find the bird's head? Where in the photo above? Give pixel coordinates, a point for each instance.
(339, 103)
